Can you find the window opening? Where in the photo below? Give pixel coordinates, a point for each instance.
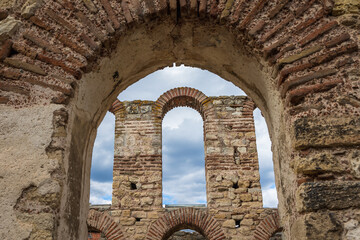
(158, 82)
(183, 157)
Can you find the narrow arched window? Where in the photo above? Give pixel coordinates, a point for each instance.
(183, 158)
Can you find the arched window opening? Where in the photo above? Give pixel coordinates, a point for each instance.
(186, 234)
(101, 176)
(150, 88)
(183, 157)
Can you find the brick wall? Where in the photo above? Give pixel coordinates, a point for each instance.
(231, 165)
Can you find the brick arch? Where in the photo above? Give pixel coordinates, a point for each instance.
(267, 227)
(116, 106)
(284, 34)
(104, 223)
(181, 97)
(185, 218)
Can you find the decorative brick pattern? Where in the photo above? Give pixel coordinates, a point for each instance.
(191, 218)
(104, 223)
(231, 165)
(273, 28)
(181, 97)
(267, 227)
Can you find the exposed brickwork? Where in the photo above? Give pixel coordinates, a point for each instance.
(269, 30)
(104, 223)
(231, 165)
(267, 227)
(170, 222)
(279, 51)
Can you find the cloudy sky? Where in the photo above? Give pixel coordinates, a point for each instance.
(183, 146)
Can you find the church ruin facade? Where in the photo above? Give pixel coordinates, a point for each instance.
(234, 201)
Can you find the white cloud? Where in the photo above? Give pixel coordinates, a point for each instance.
(270, 198)
(186, 189)
(100, 192)
(174, 118)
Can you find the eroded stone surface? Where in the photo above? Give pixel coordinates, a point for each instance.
(328, 195)
(327, 132)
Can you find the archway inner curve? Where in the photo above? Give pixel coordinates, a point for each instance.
(185, 218)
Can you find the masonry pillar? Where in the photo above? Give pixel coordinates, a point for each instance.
(137, 185)
(232, 169)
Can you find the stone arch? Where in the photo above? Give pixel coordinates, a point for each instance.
(267, 227)
(104, 223)
(77, 56)
(181, 97)
(185, 218)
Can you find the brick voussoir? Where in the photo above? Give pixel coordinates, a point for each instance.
(295, 95)
(318, 32)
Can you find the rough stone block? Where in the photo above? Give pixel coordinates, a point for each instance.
(229, 224)
(315, 226)
(326, 132)
(8, 27)
(312, 196)
(29, 8)
(317, 164)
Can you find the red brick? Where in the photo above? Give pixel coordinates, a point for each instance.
(328, 5)
(278, 27)
(62, 22)
(258, 26)
(285, 72)
(304, 79)
(295, 96)
(66, 4)
(45, 84)
(89, 41)
(183, 7)
(5, 49)
(303, 25)
(330, 55)
(71, 44)
(273, 48)
(4, 99)
(89, 25)
(163, 6)
(214, 9)
(318, 32)
(274, 11)
(58, 63)
(194, 7)
(237, 13)
(25, 50)
(304, 7)
(10, 73)
(40, 23)
(285, 49)
(249, 17)
(126, 11)
(16, 63)
(7, 87)
(337, 40)
(173, 8)
(31, 36)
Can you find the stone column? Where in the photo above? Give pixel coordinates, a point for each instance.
(137, 186)
(232, 169)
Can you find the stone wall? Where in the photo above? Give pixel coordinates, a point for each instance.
(231, 165)
(64, 62)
